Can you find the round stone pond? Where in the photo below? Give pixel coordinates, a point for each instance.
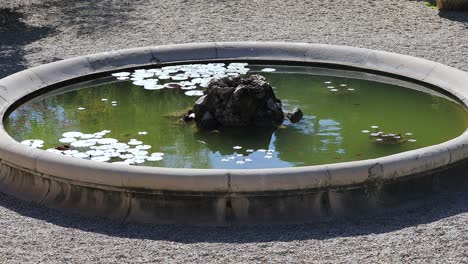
(102, 134)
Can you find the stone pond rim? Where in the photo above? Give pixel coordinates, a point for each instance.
(226, 197)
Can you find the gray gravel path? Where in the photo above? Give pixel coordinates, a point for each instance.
(33, 32)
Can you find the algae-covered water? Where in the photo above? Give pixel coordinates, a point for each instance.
(340, 115)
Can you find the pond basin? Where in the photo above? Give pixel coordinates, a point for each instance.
(344, 111)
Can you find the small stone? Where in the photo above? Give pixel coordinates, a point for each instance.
(295, 115)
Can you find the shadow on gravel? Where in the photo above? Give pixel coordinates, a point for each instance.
(455, 16)
(14, 36)
(430, 209)
(89, 17)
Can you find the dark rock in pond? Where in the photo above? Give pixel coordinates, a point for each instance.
(63, 147)
(295, 115)
(238, 102)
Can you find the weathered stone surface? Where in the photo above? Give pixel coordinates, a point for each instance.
(456, 5)
(295, 115)
(238, 102)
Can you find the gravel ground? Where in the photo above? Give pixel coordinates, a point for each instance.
(33, 32)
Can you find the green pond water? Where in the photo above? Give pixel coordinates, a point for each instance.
(330, 132)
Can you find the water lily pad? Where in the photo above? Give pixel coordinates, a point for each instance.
(72, 134)
(70, 152)
(140, 153)
(120, 145)
(100, 158)
(80, 155)
(54, 151)
(179, 77)
(31, 142)
(126, 156)
(95, 153)
(67, 140)
(164, 77)
(154, 158)
(153, 87)
(111, 154)
(129, 161)
(83, 143)
(87, 136)
(134, 142)
(104, 147)
(194, 93)
(104, 141)
(143, 147)
(121, 74)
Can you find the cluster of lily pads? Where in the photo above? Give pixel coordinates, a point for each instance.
(378, 136)
(341, 88)
(97, 147)
(186, 77)
(240, 159)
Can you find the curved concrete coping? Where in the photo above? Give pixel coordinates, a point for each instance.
(327, 176)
